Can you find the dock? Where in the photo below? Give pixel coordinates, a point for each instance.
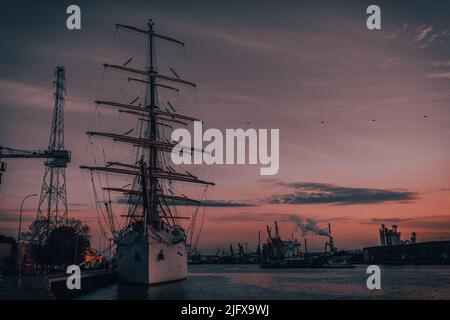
(57, 286)
(54, 286)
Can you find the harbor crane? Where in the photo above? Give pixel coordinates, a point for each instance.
(54, 158)
(53, 199)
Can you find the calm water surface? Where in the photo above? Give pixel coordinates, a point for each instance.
(251, 282)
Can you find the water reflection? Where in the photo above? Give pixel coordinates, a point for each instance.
(249, 282)
(160, 292)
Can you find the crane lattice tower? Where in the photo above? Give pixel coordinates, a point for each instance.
(53, 198)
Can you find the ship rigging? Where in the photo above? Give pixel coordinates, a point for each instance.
(152, 246)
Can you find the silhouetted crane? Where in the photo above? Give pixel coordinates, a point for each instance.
(53, 199)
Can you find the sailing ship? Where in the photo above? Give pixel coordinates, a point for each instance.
(151, 246)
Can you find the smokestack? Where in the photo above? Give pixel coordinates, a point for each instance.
(329, 229)
(383, 235)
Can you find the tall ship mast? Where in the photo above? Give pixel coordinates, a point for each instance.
(151, 246)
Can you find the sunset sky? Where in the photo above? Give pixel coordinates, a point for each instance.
(364, 116)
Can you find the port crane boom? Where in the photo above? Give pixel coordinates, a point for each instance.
(55, 158)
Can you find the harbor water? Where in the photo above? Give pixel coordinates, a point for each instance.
(251, 282)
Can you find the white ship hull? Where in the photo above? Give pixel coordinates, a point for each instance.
(142, 259)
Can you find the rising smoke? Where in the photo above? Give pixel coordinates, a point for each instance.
(310, 226)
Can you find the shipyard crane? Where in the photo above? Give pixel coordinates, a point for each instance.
(277, 231)
(330, 244)
(53, 198)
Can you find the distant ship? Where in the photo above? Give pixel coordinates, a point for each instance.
(152, 246)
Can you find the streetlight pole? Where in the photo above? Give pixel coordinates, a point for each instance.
(19, 280)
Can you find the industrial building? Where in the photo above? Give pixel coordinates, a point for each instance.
(392, 237)
(394, 250)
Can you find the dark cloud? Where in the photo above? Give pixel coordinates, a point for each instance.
(11, 215)
(270, 180)
(386, 220)
(310, 193)
(322, 193)
(441, 222)
(269, 217)
(207, 203)
(249, 217)
(216, 203)
(335, 219)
